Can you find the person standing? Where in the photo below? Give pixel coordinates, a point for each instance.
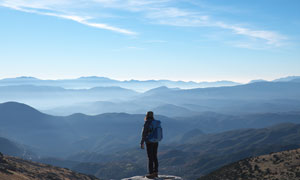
(151, 135)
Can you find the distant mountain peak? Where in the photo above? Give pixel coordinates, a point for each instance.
(160, 89)
(13, 107)
(109, 87)
(95, 78)
(288, 78)
(15, 104)
(26, 77)
(78, 115)
(21, 78)
(257, 80)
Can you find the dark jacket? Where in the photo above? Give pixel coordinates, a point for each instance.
(146, 130)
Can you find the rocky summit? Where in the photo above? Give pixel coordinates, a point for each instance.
(281, 165)
(160, 177)
(13, 168)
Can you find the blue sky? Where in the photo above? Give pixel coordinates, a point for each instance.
(198, 40)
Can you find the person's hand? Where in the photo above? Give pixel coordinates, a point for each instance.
(142, 146)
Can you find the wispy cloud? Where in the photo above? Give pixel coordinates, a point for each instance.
(46, 9)
(184, 18)
(271, 38)
(163, 12)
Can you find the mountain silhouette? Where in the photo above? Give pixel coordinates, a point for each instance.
(160, 89)
(106, 143)
(258, 90)
(47, 97)
(76, 132)
(20, 115)
(289, 78)
(93, 81)
(171, 110)
(102, 133)
(239, 99)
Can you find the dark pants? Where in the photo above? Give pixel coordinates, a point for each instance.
(152, 157)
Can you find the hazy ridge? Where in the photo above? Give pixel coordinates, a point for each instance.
(205, 128)
(278, 96)
(96, 144)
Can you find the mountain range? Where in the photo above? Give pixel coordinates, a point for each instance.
(102, 132)
(172, 102)
(76, 132)
(106, 143)
(137, 85)
(52, 96)
(94, 81)
(204, 128)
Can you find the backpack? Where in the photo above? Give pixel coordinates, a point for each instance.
(156, 132)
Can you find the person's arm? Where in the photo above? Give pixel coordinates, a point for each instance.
(145, 132)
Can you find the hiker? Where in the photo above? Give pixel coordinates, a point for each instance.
(151, 134)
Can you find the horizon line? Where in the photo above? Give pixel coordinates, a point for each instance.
(116, 79)
(124, 80)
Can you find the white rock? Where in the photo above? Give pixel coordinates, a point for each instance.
(160, 177)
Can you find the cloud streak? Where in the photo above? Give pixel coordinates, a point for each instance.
(41, 9)
(181, 18)
(163, 12)
(272, 38)
(160, 12)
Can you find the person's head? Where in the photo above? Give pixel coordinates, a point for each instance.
(149, 115)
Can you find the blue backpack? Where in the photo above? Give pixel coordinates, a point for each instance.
(156, 133)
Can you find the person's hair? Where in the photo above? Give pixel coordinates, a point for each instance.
(149, 115)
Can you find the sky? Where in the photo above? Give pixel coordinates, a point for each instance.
(189, 40)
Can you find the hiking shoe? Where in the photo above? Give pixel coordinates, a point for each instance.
(155, 174)
(150, 176)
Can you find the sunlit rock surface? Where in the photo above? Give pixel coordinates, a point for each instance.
(160, 177)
